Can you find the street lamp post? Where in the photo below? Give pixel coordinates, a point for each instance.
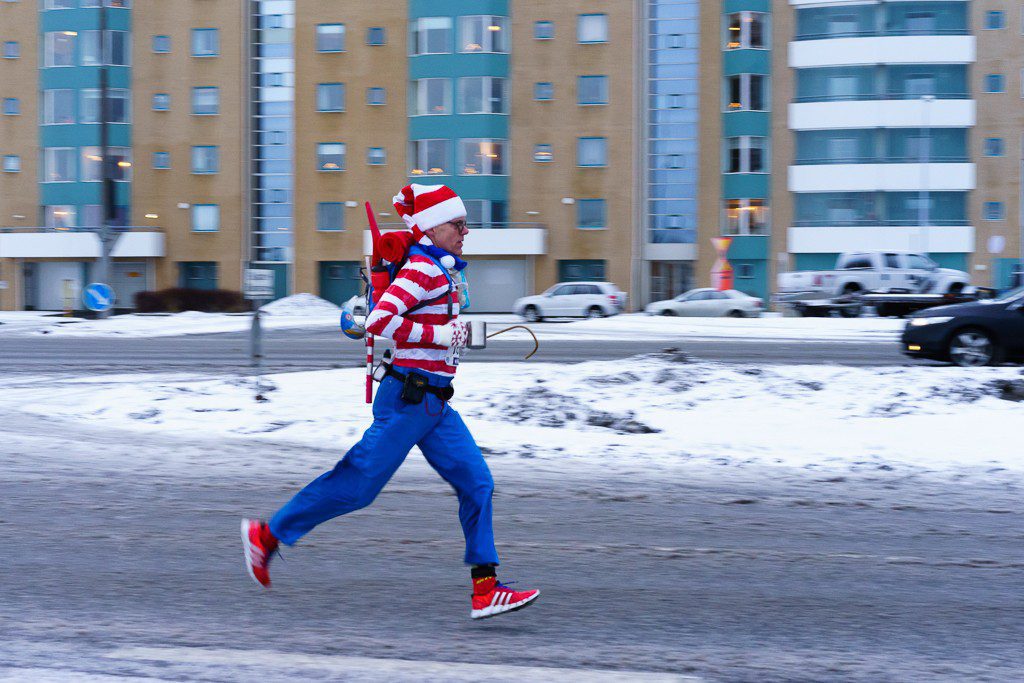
(106, 233)
(923, 214)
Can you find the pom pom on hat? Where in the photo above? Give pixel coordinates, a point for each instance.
(423, 207)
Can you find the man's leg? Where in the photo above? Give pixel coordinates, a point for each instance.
(451, 450)
(357, 479)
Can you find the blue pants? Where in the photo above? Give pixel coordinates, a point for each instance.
(398, 426)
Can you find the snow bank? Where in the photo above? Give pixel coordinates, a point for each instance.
(659, 410)
(302, 304)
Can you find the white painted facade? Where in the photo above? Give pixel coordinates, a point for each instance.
(832, 239)
(79, 245)
(804, 54)
(882, 177)
(881, 114)
(494, 242)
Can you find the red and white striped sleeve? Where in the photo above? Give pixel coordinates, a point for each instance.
(419, 280)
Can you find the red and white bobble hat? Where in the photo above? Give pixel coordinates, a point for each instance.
(423, 207)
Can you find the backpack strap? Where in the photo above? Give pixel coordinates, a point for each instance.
(439, 299)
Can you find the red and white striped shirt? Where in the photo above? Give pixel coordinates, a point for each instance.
(421, 279)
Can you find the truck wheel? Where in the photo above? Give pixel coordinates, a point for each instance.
(882, 311)
(850, 312)
(973, 347)
(955, 289)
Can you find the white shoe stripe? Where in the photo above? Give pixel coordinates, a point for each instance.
(494, 599)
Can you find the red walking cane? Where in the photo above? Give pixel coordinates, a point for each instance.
(374, 260)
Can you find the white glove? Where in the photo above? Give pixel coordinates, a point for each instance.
(454, 335)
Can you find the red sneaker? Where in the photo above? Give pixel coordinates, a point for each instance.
(491, 598)
(258, 544)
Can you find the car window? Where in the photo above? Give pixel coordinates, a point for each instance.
(919, 262)
(699, 296)
(719, 295)
(857, 261)
(562, 291)
(892, 261)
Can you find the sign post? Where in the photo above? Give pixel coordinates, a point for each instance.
(259, 288)
(721, 271)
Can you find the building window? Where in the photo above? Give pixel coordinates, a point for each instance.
(429, 157)
(59, 48)
(116, 48)
(376, 156)
(543, 30)
(330, 157)
(592, 28)
(542, 153)
(543, 91)
(485, 213)
(994, 211)
(12, 49)
(12, 163)
(995, 20)
(330, 97)
(92, 164)
(330, 216)
(745, 271)
(58, 107)
(206, 100)
(12, 106)
(205, 217)
(376, 96)
(483, 34)
(746, 92)
(431, 36)
(161, 160)
(60, 217)
(581, 270)
(431, 97)
(483, 95)
(592, 152)
(993, 147)
(746, 154)
(60, 4)
(121, 4)
(746, 217)
(161, 101)
(591, 214)
(161, 44)
(330, 38)
(376, 35)
(592, 90)
(205, 42)
(205, 159)
(118, 105)
(481, 157)
(745, 30)
(994, 83)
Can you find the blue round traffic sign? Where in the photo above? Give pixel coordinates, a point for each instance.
(98, 297)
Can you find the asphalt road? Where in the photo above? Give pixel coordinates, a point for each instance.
(314, 349)
(121, 559)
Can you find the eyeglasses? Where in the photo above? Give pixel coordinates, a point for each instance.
(460, 225)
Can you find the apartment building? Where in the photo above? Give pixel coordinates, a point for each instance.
(249, 133)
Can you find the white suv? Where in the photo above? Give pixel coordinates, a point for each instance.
(572, 300)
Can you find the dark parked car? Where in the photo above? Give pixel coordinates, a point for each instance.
(972, 334)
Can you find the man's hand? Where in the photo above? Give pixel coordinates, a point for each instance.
(454, 335)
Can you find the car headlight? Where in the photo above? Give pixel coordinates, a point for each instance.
(918, 322)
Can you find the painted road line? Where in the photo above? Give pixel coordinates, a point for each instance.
(386, 669)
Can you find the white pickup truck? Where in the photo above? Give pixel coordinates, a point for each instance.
(871, 271)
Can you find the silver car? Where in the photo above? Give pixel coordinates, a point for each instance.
(709, 302)
(572, 300)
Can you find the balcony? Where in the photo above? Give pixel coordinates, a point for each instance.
(887, 177)
(931, 49)
(934, 238)
(78, 243)
(883, 111)
(499, 239)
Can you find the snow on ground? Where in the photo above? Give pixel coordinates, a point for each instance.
(659, 410)
(306, 310)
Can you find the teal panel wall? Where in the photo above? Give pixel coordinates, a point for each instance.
(748, 247)
(757, 284)
(730, 6)
(1004, 268)
(746, 62)
(741, 185)
(816, 261)
(957, 261)
(745, 123)
(438, 8)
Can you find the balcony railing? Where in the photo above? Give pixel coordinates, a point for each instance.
(876, 33)
(881, 96)
(951, 159)
(874, 222)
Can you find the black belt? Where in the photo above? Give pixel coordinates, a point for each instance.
(443, 393)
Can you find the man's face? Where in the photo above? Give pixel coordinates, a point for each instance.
(449, 236)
